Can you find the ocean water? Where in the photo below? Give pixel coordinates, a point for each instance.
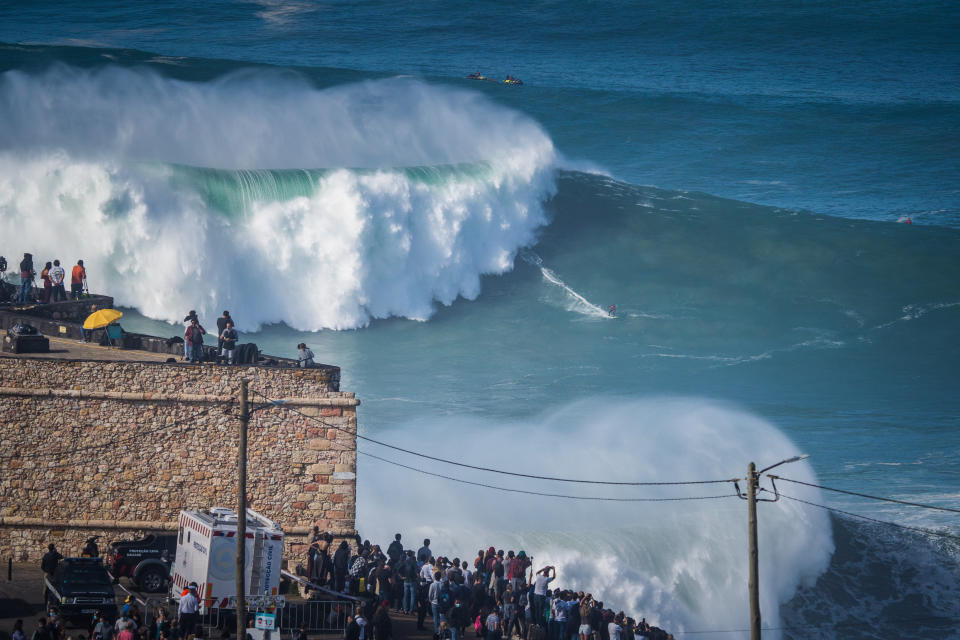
(734, 177)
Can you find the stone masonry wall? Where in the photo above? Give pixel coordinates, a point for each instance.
(118, 448)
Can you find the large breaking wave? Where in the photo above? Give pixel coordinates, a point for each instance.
(682, 564)
(262, 194)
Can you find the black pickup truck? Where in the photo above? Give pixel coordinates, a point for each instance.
(146, 562)
(80, 588)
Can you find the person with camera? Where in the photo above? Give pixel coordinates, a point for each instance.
(540, 583)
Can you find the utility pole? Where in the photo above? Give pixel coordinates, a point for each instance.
(242, 513)
(753, 486)
(754, 583)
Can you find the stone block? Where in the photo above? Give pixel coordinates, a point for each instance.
(320, 468)
(318, 444)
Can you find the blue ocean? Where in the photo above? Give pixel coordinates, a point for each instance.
(768, 193)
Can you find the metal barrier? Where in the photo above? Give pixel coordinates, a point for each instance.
(318, 616)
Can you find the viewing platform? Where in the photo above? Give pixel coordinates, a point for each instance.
(61, 323)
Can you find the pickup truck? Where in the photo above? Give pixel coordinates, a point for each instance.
(80, 588)
(145, 562)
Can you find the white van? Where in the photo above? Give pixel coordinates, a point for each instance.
(207, 555)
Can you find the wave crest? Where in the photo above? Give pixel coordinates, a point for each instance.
(445, 186)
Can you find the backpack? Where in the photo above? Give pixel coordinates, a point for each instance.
(445, 598)
(357, 567)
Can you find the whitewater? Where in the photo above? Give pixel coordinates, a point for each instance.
(729, 177)
(398, 214)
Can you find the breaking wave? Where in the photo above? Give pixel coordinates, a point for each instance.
(262, 194)
(682, 565)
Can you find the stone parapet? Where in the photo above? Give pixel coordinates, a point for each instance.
(119, 448)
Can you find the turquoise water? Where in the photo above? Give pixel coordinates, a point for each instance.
(326, 172)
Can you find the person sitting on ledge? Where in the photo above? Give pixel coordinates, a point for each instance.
(304, 356)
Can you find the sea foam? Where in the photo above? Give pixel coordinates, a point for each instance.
(681, 564)
(404, 193)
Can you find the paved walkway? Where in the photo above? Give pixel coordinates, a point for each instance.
(66, 349)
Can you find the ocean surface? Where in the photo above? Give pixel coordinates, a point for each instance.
(735, 177)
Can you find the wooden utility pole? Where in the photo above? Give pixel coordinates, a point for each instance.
(242, 513)
(754, 584)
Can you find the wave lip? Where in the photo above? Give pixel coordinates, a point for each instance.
(241, 189)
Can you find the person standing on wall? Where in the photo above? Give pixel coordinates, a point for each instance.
(221, 326)
(57, 274)
(194, 337)
(187, 345)
(26, 278)
(78, 279)
(47, 283)
(228, 342)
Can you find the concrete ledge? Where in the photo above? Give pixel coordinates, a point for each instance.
(80, 394)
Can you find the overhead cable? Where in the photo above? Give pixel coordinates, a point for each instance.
(539, 493)
(929, 532)
(491, 470)
(864, 495)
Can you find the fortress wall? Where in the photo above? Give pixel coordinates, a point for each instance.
(118, 448)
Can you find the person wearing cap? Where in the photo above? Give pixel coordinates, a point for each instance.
(127, 607)
(188, 611)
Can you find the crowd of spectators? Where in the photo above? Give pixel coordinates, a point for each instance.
(497, 595)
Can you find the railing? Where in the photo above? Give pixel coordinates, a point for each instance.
(318, 616)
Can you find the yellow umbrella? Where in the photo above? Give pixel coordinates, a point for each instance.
(101, 318)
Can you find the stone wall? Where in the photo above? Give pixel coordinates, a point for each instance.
(118, 448)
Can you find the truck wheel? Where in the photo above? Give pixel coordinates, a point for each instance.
(152, 580)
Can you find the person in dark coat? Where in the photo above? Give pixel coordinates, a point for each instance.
(383, 627)
(341, 561)
(353, 629)
(395, 551)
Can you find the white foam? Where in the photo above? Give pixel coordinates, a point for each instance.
(574, 301)
(364, 244)
(683, 565)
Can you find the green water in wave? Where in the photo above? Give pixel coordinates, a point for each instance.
(234, 191)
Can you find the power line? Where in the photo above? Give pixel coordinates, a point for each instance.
(864, 495)
(886, 522)
(490, 470)
(538, 493)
